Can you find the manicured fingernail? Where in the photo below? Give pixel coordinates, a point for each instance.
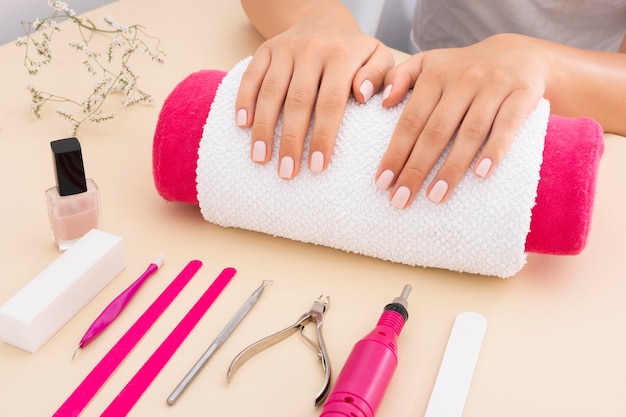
(387, 91)
(384, 180)
(438, 191)
(259, 151)
(401, 197)
(286, 167)
(242, 117)
(367, 89)
(483, 167)
(317, 162)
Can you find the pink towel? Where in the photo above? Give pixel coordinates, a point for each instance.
(178, 133)
(561, 217)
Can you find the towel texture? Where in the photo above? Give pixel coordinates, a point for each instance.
(481, 229)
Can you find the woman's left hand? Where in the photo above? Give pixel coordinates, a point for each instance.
(482, 92)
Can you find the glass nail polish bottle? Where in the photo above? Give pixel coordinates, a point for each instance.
(73, 204)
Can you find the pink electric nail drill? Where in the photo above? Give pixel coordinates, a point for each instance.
(365, 376)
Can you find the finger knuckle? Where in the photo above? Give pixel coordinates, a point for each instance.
(263, 126)
(378, 69)
(245, 95)
(290, 139)
(414, 173)
(436, 131)
(507, 122)
(339, 49)
(253, 72)
(528, 85)
(500, 76)
(324, 135)
(411, 121)
(330, 102)
(395, 157)
(472, 74)
(270, 88)
(377, 72)
(497, 148)
(298, 98)
(474, 130)
(434, 73)
(454, 167)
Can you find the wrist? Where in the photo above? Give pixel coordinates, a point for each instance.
(329, 12)
(271, 17)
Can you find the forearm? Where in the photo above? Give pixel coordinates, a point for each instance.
(271, 17)
(587, 83)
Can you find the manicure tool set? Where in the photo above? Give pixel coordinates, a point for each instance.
(358, 390)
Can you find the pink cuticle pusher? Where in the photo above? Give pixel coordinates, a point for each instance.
(117, 305)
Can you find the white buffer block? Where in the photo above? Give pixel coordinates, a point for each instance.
(41, 308)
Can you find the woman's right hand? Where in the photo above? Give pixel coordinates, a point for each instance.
(310, 68)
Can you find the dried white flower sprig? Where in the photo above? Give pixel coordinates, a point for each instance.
(109, 66)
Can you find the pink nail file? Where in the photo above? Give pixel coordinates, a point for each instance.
(92, 383)
(131, 393)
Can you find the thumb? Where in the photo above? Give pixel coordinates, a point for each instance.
(400, 79)
(370, 78)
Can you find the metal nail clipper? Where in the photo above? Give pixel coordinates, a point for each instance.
(315, 314)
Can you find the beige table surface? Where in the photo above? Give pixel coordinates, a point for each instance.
(556, 339)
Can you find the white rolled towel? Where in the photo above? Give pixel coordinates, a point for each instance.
(481, 229)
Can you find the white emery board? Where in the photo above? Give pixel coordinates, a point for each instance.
(457, 366)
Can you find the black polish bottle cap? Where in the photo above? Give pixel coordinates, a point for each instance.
(69, 168)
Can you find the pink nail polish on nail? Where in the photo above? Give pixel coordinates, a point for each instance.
(401, 197)
(317, 162)
(259, 151)
(242, 117)
(367, 89)
(438, 191)
(483, 167)
(286, 167)
(387, 91)
(384, 180)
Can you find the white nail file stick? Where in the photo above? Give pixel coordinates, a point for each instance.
(457, 366)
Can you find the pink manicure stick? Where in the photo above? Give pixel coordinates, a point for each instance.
(365, 376)
(117, 305)
(100, 374)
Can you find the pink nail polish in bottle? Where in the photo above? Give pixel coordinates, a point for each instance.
(73, 204)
